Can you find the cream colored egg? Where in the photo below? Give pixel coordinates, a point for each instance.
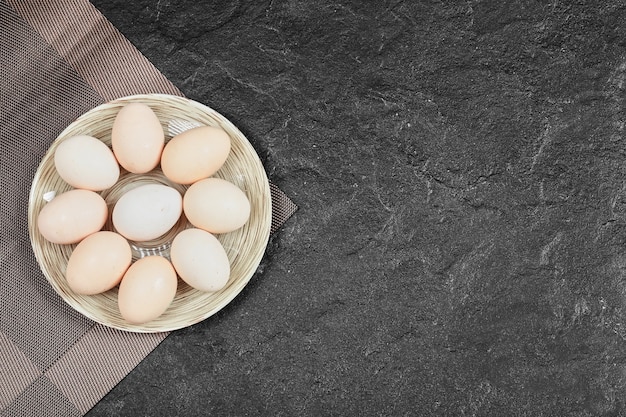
(147, 289)
(195, 154)
(200, 260)
(98, 263)
(147, 212)
(137, 138)
(72, 216)
(216, 205)
(86, 162)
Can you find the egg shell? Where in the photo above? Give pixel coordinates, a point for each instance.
(87, 163)
(147, 212)
(98, 263)
(195, 154)
(72, 216)
(137, 138)
(147, 289)
(200, 260)
(216, 205)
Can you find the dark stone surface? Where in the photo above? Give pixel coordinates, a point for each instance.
(460, 171)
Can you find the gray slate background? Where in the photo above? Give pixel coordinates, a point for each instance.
(460, 244)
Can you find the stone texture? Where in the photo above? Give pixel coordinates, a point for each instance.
(459, 248)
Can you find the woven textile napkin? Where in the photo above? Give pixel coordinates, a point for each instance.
(58, 60)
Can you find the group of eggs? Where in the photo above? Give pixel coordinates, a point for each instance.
(102, 259)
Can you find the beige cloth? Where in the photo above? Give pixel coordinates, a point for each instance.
(58, 60)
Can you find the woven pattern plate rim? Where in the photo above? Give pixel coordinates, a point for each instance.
(245, 247)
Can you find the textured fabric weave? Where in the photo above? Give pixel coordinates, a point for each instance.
(58, 60)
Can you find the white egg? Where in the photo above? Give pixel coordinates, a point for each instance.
(200, 260)
(147, 212)
(86, 162)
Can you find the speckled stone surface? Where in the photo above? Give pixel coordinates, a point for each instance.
(460, 244)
